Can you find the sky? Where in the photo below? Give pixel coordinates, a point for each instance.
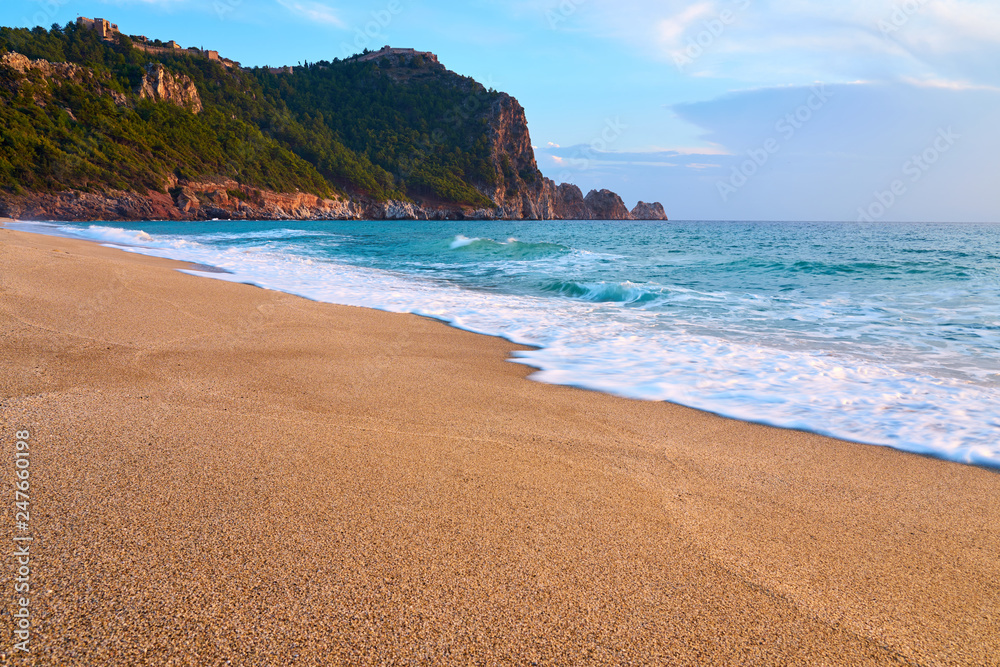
(872, 110)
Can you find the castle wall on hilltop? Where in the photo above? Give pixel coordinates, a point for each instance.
(390, 51)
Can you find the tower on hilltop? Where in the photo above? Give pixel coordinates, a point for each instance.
(105, 28)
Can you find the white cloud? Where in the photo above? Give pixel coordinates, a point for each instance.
(786, 40)
(701, 150)
(636, 163)
(313, 11)
(948, 85)
(851, 148)
(965, 20)
(671, 30)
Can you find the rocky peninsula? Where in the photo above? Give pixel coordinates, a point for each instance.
(110, 148)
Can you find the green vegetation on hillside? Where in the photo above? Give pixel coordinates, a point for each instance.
(329, 127)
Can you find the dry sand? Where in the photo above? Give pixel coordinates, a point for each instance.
(227, 475)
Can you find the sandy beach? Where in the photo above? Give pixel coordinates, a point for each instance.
(227, 475)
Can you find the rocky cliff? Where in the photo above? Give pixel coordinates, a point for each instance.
(218, 199)
(517, 189)
(23, 64)
(160, 85)
(226, 199)
(44, 72)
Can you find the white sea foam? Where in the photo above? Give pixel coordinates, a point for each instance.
(122, 236)
(592, 341)
(462, 242)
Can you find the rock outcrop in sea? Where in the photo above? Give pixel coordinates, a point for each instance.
(644, 211)
(606, 205)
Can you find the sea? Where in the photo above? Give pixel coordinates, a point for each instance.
(879, 333)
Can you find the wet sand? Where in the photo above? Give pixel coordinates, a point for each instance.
(221, 472)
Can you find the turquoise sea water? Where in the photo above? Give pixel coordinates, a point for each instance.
(886, 334)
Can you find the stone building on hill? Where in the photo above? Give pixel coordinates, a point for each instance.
(105, 28)
(389, 51)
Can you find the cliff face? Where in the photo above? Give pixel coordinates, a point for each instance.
(47, 73)
(217, 199)
(523, 193)
(160, 85)
(513, 159)
(23, 65)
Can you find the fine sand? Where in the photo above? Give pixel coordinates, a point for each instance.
(226, 475)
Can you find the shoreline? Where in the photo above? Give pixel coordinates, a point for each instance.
(375, 487)
(818, 427)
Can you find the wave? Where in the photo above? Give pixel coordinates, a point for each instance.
(264, 235)
(602, 292)
(858, 270)
(123, 237)
(509, 249)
